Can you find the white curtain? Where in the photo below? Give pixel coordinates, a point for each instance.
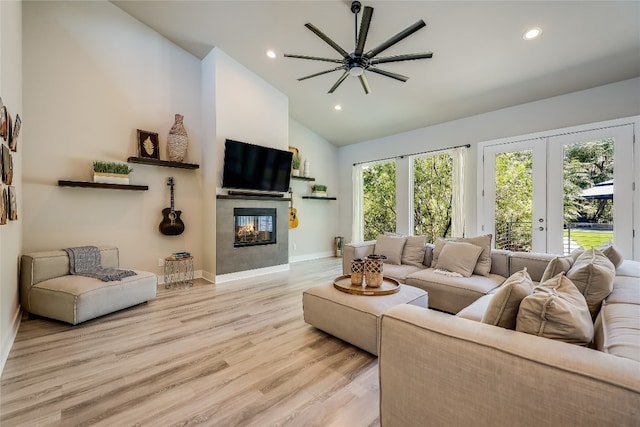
(357, 227)
(457, 206)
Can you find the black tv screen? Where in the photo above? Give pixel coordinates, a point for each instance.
(254, 167)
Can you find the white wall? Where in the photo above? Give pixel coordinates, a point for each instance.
(621, 99)
(92, 76)
(11, 233)
(318, 219)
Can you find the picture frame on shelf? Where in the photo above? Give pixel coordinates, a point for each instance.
(148, 146)
(13, 141)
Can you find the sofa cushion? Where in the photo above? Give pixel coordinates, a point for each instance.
(458, 257)
(536, 263)
(557, 310)
(592, 273)
(391, 247)
(476, 309)
(560, 264)
(618, 332)
(626, 290)
(629, 268)
(611, 252)
(483, 266)
(399, 272)
(503, 309)
(413, 251)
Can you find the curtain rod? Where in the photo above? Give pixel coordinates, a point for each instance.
(413, 154)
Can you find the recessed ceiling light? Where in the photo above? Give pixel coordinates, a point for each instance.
(532, 33)
(338, 107)
(271, 54)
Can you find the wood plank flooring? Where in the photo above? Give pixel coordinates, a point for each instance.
(231, 354)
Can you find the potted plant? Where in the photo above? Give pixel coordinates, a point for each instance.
(111, 172)
(295, 165)
(319, 190)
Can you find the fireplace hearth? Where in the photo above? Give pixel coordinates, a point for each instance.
(254, 226)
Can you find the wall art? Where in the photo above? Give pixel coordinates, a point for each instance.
(13, 141)
(7, 166)
(3, 207)
(13, 204)
(148, 146)
(3, 123)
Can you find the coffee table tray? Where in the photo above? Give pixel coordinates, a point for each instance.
(389, 286)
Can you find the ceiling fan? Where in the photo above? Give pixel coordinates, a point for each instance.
(359, 61)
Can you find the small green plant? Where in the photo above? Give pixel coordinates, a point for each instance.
(319, 188)
(111, 167)
(295, 162)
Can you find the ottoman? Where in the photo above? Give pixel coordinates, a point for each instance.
(354, 318)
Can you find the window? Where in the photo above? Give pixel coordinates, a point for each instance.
(379, 198)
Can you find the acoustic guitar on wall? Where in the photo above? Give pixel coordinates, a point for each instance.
(293, 213)
(171, 224)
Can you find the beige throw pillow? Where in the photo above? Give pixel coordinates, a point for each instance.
(593, 275)
(391, 247)
(560, 264)
(503, 308)
(611, 252)
(483, 266)
(557, 310)
(413, 251)
(459, 257)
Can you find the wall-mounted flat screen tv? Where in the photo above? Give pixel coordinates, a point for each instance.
(254, 167)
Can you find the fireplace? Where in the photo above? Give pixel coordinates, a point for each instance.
(254, 226)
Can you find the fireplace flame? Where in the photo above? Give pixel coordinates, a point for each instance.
(246, 230)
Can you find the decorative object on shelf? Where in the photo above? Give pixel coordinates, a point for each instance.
(148, 145)
(293, 212)
(171, 224)
(3, 207)
(7, 165)
(305, 172)
(295, 165)
(111, 172)
(13, 204)
(3, 122)
(373, 266)
(319, 190)
(337, 245)
(357, 271)
(13, 140)
(177, 140)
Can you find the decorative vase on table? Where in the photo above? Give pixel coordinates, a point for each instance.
(373, 266)
(177, 140)
(357, 271)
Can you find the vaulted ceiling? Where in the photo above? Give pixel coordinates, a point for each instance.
(480, 60)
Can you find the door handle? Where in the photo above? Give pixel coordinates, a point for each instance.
(541, 228)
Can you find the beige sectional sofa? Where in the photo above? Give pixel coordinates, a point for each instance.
(48, 289)
(443, 369)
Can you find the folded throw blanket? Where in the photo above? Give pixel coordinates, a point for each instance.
(85, 261)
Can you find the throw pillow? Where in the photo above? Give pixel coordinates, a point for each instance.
(391, 247)
(459, 257)
(593, 275)
(503, 308)
(560, 264)
(413, 251)
(557, 310)
(611, 252)
(483, 266)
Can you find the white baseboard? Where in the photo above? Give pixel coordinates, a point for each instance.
(11, 337)
(221, 278)
(309, 257)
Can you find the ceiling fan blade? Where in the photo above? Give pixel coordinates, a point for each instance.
(388, 74)
(320, 73)
(398, 58)
(364, 29)
(365, 83)
(326, 38)
(314, 58)
(395, 39)
(340, 80)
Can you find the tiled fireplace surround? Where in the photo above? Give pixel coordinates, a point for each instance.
(230, 259)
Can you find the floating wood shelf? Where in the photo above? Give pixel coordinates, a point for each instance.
(243, 197)
(319, 198)
(165, 163)
(303, 178)
(63, 183)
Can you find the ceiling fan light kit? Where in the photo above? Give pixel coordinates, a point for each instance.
(358, 62)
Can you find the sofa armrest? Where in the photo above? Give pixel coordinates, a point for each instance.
(454, 371)
(350, 251)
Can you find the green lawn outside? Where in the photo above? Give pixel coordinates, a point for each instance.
(589, 238)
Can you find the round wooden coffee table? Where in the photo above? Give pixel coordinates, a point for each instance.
(389, 286)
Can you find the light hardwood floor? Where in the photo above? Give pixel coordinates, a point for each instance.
(231, 354)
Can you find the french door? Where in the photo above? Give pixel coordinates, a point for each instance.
(553, 193)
